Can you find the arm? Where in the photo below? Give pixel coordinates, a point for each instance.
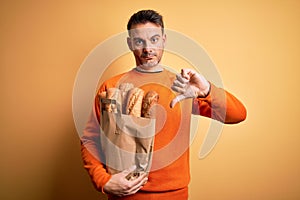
(220, 105)
(116, 184)
(210, 101)
(90, 152)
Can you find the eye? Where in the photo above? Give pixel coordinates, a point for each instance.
(154, 40)
(138, 42)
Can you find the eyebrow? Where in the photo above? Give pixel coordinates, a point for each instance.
(138, 38)
(156, 35)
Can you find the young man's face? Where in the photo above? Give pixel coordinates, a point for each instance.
(146, 41)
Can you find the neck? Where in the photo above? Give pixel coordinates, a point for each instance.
(151, 70)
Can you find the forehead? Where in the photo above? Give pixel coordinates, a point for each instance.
(145, 30)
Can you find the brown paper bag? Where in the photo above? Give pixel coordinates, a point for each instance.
(126, 140)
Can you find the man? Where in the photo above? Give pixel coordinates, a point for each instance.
(169, 176)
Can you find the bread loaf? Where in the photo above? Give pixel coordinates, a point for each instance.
(131, 99)
(134, 102)
(124, 88)
(149, 100)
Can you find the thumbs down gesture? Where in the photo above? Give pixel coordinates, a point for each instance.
(189, 84)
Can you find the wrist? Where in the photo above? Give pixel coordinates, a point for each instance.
(204, 93)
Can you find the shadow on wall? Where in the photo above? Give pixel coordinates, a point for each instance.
(70, 179)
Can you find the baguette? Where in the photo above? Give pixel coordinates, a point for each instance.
(134, 102)
(150, 99)
(124, 88)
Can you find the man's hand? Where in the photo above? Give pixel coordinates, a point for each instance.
(189, 84)
(119, 185)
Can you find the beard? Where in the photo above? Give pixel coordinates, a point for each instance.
(146, 64)
(149, 63)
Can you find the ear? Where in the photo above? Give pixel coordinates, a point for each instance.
(129, 43)
(164, 38)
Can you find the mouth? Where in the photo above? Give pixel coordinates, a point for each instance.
(148, 57)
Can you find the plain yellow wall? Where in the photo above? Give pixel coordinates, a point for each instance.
(255, 45)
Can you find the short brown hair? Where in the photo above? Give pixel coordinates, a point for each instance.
(145, 16)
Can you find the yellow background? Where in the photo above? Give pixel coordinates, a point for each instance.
(254, 44)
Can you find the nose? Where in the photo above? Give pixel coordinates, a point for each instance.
(147, 47)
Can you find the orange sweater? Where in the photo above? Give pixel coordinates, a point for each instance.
(169, 176)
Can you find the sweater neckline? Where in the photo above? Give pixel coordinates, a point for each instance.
(148, 72)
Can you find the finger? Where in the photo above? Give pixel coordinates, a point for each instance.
(179, 84)
(187, 73)
(181, 79)
(143, 175)
(178, 89)
(138, 183)
(133, 191)
(141, 180)
(176, 100)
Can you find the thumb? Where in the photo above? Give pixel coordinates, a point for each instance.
(176, 100)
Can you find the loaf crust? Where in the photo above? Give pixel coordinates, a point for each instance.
(134, 102)
(150, 99)
(124, 88)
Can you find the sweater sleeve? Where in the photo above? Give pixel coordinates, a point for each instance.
(90, 151)
(91, 154)
(220, 105)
